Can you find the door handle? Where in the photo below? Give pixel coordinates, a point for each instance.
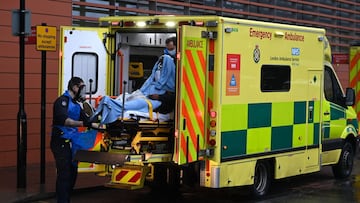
(184, 123)
(311, 109)
(326, 113)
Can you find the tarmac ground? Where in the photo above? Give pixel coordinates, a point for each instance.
(34, 191)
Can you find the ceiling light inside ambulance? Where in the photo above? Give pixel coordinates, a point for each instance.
(170, 24)
(141, 24)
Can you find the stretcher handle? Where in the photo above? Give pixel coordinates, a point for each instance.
(123, 102)
(90, 82)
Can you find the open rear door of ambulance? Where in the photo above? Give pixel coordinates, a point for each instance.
(191, 94)
(83, 54)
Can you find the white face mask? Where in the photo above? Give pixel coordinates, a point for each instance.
(172, 52)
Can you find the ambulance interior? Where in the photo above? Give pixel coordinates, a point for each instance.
(139, 53)
(136, 56)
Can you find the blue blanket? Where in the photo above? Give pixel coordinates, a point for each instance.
(161, 80)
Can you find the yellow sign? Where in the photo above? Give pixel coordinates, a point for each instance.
(46, 38)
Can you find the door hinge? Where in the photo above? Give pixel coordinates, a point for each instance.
(209, 35)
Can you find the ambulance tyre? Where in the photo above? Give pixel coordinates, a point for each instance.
(262, 178)
(344, 167)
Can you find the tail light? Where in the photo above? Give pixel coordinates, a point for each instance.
(212, 142)
(212, 129)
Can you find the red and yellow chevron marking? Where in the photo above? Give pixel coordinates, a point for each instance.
(355, 75)
(193, 104)
(126, 176)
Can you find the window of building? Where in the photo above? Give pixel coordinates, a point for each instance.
(85, 66)
(275, 78)
(286, 4)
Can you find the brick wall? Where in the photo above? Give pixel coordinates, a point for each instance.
(52, 12)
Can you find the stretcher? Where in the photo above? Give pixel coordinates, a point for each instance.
(132, 136)
(140, 133)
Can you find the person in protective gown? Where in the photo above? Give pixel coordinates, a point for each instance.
(160, 82)
(65, 137)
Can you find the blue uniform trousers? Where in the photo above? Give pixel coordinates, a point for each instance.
(66, 169)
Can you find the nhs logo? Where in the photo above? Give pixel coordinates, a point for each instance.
(295, 51)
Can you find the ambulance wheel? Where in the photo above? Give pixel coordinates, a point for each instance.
(344, 167)
(262, 178)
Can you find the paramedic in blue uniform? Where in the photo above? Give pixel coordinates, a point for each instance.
(67, 116)
(167, 99)
(170, 48)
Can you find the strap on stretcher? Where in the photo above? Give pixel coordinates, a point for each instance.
(150, 109)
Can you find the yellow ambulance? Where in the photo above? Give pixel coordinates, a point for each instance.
(255, 101)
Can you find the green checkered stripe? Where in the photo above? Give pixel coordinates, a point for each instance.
(248, 129)
(337, 118)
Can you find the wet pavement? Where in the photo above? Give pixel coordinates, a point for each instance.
(316, 187)
(35, 191)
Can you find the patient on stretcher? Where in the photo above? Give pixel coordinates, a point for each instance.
(157, 94)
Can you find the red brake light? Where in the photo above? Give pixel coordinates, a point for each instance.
(129, 23)
(213, 114)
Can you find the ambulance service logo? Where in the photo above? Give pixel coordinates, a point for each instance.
(256, 54)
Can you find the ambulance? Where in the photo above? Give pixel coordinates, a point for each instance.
(255, 102)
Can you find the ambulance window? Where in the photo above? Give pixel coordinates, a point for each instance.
(275, 78)
(332, 89)
(85, 66)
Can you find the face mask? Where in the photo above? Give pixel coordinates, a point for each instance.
(172, 52)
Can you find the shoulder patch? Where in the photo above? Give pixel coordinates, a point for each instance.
(63, 103)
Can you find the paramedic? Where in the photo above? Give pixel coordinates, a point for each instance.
(67, 116)
(171, 48)
(160, 81)
(168, 98)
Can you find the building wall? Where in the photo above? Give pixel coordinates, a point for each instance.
(9, 79)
